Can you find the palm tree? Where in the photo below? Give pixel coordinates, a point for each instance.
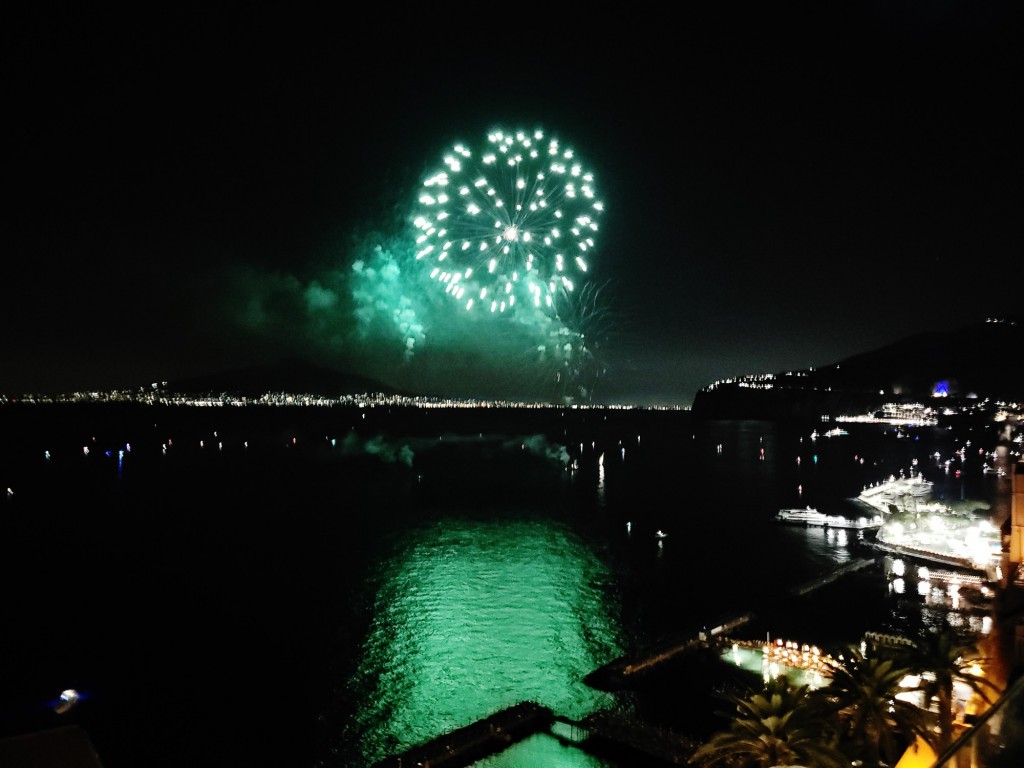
(776, 727)
(941, 659)
(862, 696)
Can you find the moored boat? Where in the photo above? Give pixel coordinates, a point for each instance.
(813, 517)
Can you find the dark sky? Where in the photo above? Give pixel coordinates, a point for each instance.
(783, 189)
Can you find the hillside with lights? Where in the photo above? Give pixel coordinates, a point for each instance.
(972, 368)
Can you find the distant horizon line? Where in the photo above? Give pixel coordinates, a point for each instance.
(281, 398)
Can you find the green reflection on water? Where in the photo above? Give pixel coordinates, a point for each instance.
(474, 616)
(541, 750)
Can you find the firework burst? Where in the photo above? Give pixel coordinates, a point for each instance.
(511, 225)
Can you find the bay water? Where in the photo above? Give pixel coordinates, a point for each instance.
(328, 587)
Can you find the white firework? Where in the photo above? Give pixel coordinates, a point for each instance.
(508, 226)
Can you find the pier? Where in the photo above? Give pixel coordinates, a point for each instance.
(616, 732)
(854, 565)
(618, 673)
(464, 746)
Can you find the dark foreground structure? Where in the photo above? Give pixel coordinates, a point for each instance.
(475, 741)
(64, 747)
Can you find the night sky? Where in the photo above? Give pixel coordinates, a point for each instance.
(187, 194)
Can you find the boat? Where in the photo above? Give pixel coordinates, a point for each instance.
(812, 517)
(808, 515)
(67, 700)
(660, 534)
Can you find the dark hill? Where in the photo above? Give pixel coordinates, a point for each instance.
(980, 360)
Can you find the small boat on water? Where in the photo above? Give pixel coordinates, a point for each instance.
(67, 700)
(812, 517)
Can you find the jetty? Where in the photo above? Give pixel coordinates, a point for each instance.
(465, 746)
(618, 732)
(620, 672)
(820, 581)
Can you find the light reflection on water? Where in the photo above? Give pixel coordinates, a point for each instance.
(471, 616)
(379, 633)
(541, 750)
(433, 661)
